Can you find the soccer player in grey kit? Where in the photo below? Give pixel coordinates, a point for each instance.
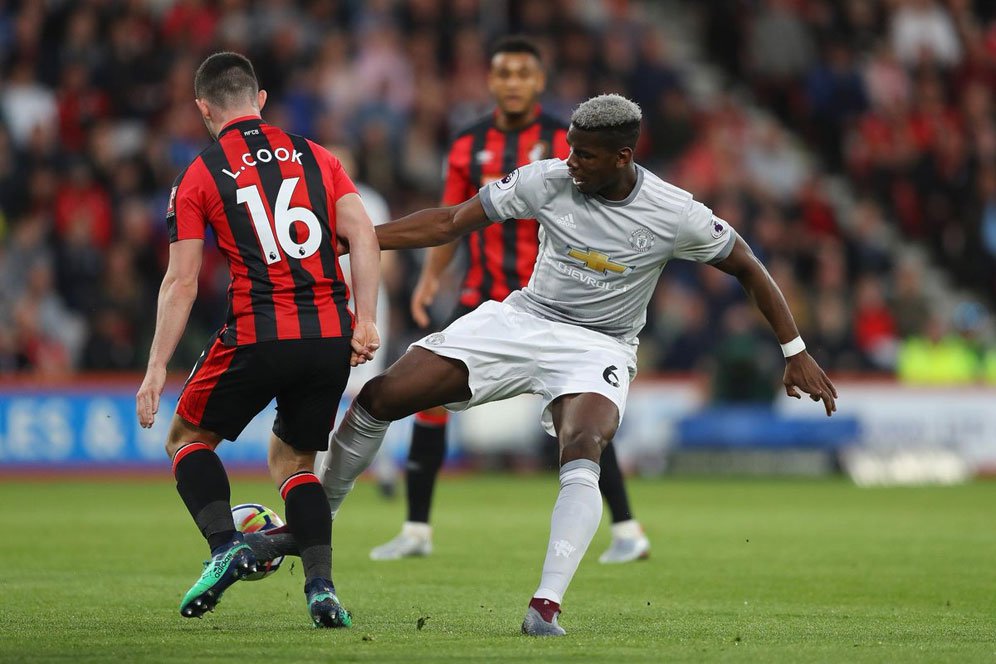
(608, 227)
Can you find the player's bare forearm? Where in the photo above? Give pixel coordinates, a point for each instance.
(762, 290)
(353, 225)
(364, 264)
(433, 226)
(176, 298)
(425, 228)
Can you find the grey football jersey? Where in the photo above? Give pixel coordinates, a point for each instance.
(599, 260)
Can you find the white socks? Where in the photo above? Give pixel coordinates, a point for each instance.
(419, 531)
(629, 529)
(575, 519)
(351, 450)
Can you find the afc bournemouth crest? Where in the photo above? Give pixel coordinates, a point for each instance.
(171, 206)
(539, 151)
(642, 240)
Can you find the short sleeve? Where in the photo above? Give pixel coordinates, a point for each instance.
(703, 237)
(186, 218)
(518, 195)
(337, 181)
(342, 184)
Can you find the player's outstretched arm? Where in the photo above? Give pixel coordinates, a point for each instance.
(433, 226)
(353, 225)
(801, 370)
(176, 297)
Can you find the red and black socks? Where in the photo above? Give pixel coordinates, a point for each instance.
(310, 519)
(610, 483)
(202, 483)
(425, 458)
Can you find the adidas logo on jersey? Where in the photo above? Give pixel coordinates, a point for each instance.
(567, 221)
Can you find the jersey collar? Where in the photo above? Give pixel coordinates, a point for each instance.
(246, 121)
(632, 195)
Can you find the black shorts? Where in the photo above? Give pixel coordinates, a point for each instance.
(230, 385)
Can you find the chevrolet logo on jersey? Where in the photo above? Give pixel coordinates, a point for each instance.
(596, 261)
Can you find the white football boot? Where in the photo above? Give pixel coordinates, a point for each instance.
(534, 625)
(415, 539)
(629, 543)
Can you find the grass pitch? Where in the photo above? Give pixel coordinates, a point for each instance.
(740, 571)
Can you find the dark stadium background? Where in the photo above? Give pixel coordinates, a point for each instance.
(852, 143)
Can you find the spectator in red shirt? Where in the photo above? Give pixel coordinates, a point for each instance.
(874, 326)
(83, 201)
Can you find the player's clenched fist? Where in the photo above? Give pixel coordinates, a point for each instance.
(365, 342)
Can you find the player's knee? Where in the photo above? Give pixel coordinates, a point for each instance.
(174, 441)
(173, 445)
(171, 448)
(376, 399)
(183, 433)
(581, 443)
(284, 468)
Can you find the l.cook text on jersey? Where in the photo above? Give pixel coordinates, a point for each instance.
(264, 155)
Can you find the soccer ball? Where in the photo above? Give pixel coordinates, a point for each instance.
(252, 518)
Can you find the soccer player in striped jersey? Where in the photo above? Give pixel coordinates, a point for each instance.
(500, 261)
(277, 204)
(570, 336)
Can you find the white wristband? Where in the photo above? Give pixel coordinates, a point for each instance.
(793, 347)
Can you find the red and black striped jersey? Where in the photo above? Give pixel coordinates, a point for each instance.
(270, 198)
(501, 256)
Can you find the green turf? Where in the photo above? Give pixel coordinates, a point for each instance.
(741, 571)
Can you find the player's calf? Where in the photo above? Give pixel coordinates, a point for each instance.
(351, 451)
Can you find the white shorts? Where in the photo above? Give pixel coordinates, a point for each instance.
(510, 352)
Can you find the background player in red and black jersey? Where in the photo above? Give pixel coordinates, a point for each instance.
(277, 205)
(500, 260)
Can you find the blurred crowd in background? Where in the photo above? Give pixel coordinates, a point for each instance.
(97, 119)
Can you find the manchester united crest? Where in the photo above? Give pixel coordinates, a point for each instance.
(642, 240)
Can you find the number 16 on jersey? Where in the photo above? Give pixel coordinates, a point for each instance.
(284, 217)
